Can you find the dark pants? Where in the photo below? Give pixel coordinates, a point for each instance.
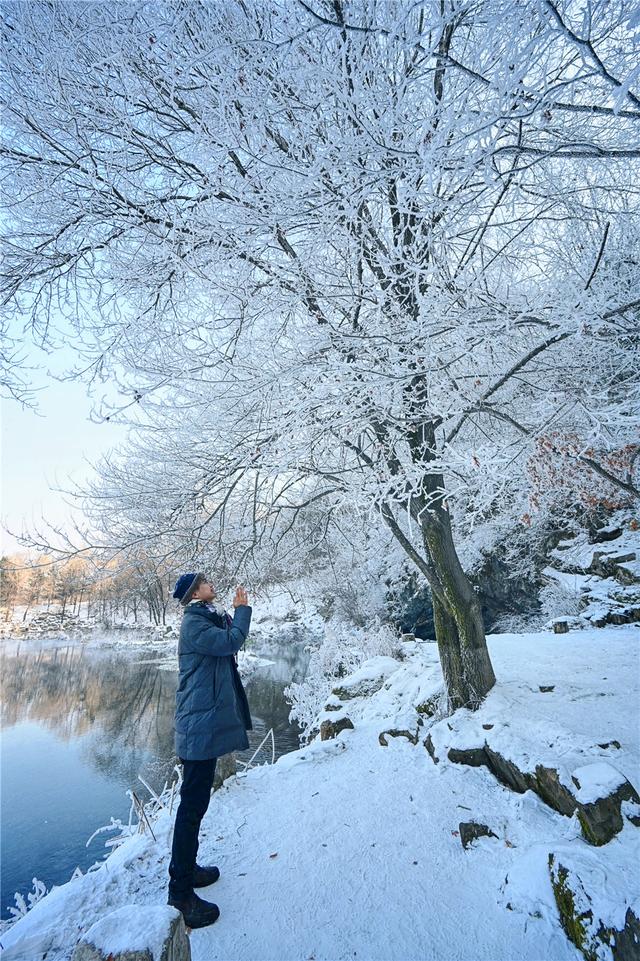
(197, 781)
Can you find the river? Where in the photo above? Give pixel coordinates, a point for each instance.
(80, 722)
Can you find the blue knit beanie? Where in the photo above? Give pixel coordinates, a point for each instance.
(185, 587)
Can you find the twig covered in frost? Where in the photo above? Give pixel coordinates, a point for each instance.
(21, 908)
(269, 734)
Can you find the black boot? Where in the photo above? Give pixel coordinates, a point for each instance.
(203, 877)
(196, 912)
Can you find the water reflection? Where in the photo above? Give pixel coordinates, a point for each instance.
(120, 709)
(127, 704)
(265, 687)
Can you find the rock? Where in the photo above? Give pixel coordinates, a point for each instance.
(330, 729)
(136, 933)
(601, 820)
(607, 565)
(501, 593)
(622, 617)
(507, 772)
(606, 534)
(553, 792)
(416, 609)
(431, 705)
(361, 686)
(589, 934)
(225, 767)
(475, 756)
(600, 817)
(396, 732)
(470, 830)
(627, 941)
(431, 751)
(631, 810)
(625, 615)
(560, 627)
(546, 689)
(609, 744)
(333, 707)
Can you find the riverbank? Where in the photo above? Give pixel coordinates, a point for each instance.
(97, 714)
(352, 849)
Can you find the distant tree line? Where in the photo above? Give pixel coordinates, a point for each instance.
(139, 590)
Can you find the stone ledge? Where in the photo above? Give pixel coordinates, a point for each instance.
(600, 819)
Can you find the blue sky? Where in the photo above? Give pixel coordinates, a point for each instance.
(41, 449)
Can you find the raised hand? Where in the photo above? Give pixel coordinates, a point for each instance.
(241, 597)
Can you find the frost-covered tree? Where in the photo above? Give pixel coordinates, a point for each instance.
(354, 254)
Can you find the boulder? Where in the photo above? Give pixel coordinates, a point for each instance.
(136, 933)
(330, 728)
(430, 705)
(606, 534)
(507, 772)
(600, 791)
(553, 792)
(605, 564)
(470, 830)
(474, 756)
(367, 679)
(631, 810)
(225, 767)
(589, 933)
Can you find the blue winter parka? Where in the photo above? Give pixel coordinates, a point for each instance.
(212, 711)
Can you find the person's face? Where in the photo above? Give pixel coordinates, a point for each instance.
(204, 591)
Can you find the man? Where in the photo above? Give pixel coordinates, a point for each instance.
(212, 719)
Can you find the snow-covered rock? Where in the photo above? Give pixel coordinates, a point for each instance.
(602, 572)
(599, 923)
(368, 679)
(136, 933)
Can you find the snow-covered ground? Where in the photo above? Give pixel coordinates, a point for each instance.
(347, 849)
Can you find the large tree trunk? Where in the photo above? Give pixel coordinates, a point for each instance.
(462, 646)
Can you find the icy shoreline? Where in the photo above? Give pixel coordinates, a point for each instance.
(347, 848)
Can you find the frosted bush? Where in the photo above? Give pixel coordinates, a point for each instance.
(519, 623)
(559, 599)
(342, 650)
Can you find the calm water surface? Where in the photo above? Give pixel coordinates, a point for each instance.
(80, 722)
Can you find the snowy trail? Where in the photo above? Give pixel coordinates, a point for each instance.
(367, 865)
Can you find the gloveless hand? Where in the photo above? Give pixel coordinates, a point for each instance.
(241, 597)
